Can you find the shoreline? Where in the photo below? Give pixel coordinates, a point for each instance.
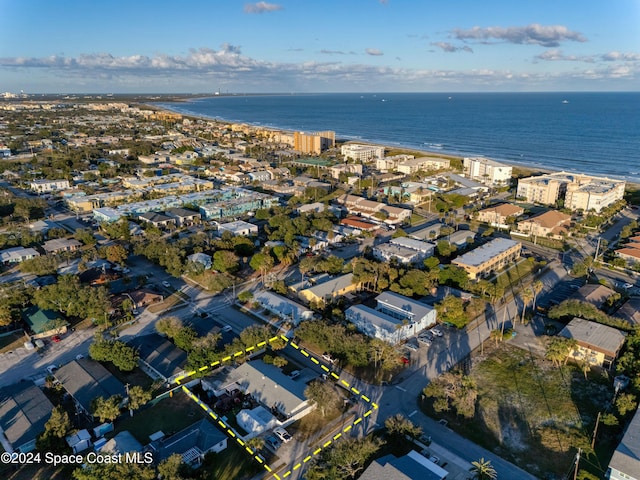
(526, 169)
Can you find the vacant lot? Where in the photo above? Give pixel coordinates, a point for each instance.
(532, 413)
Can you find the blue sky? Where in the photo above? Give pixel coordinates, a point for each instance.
(319, 46)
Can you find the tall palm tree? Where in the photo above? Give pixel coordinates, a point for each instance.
(483, 470)
(526, 296)
(536, 288)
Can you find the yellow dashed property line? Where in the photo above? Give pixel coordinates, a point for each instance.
(267, 468)
(297, 466)
(314, 360)
(226, 359)
(375, 405)
(275, 475)
(239, 440)
(284, 338)
(333, 374)
(287, 474)
(347, 428)
(249, 450)
(306, 459)
(337, 436)
(273, 339)
(326, 444)
(317, 451)
(325, 368)
(203, 368)
(250, 349)
(294, 345)
(367, 413)
(304, 352)
(345, 383)
(258, 458)
(355, 390)
(217, 362)
(261, 344)
(230, 432)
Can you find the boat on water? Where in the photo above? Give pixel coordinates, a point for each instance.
(565, 101)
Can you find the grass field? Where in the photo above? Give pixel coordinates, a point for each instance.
(233, 463)
(171, 301)
(532, 413)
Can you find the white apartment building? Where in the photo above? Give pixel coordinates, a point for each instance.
(487, 171)
(48, 186)
(414, 165)
(361, 153)
(388, 164)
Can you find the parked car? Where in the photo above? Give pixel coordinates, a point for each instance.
(424, 340)
(56, 339)
(437, 332)
(295, 374)
(411, 346)
(227, 328)
(51, 369)
(282, 434)
(272, 441)
(327, 357)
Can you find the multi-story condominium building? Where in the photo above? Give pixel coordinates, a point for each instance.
(394, 319)
(487, 171)
(354, 168)
(314, 143)
(88, 203)
(595, 195)
(497, 215)
(361, 153)
(414, 165)
(578, 191)
(48, 186)
(489, 258)
(547, 224)
(387, 164)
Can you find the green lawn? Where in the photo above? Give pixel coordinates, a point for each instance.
(534, 414)
(233, 463)
(169, 415)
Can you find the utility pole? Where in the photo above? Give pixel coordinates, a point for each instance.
(575, 472)
(595, 257)
(595, 431)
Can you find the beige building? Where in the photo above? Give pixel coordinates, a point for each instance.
(497, 215)
(489, 258)
(487, 171)
(594, 195)
(597, 344)
(580, 192)
(361, 153)
(314, 143)
(548, 224)
(329, 290)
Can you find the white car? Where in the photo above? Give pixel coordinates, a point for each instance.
(166, 284)
(437, 332)
(51, 369)
(227, 328)
(282, 434)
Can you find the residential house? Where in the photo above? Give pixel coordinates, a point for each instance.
(499, 215)
(58, 245)
(182, 216)
(43, 323)
(598, 344)
(414, 165)
(269, 386)
(359, 224)
(489, 258)
(157, 219)
(238, 228)
(283, 307)
(85, 380)
(631, 255)
(159, 358)
(552, 224)
(202, 259)
(17, 254)
(191, 443)
(24, 410)
(412, 466)
(394, 319)
(630, 311)
(121, 443)
(329, 290)
(625, 462)
(596, 295)
(142, 298)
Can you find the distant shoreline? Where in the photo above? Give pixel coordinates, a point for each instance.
(525, 170)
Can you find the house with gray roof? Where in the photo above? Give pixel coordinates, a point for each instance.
(121, 443)
(412, 466)
(268, 385)
(24, 409)
(329, 289)
(394, 319)
(159, 358)
(630, 311)
(192, 443)
(625, 462)
(86, 380)
(283, 307)
(596, 343)
(183, 216)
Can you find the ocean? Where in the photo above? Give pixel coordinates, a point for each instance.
(593, 133)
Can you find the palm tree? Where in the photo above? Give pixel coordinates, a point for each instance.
(536, 288)
(483, 470)
(496, 335)
(255, 443)
(526, 296)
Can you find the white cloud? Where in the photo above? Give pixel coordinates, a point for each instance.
(261, 7)
(374, 51)
(554, 55)
(618, 56)
(534, 34)
(450, 48)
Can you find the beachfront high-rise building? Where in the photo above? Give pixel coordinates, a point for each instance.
(314, 143)
(487, 171)
(580, 192)
(361, 153)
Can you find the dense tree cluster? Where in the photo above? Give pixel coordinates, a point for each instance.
(576, 308)
(123, 356)
(453, 390)
(68, 296)
(345, 459)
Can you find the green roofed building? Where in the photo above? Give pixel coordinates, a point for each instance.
(311, 162)
(43, 323)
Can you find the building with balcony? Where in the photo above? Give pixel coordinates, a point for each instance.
(552, 224)
(413, 165)
(498, 215)
(49, 186)
(487, 171)
(489, 258)
(361, 153)
(313, 143)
